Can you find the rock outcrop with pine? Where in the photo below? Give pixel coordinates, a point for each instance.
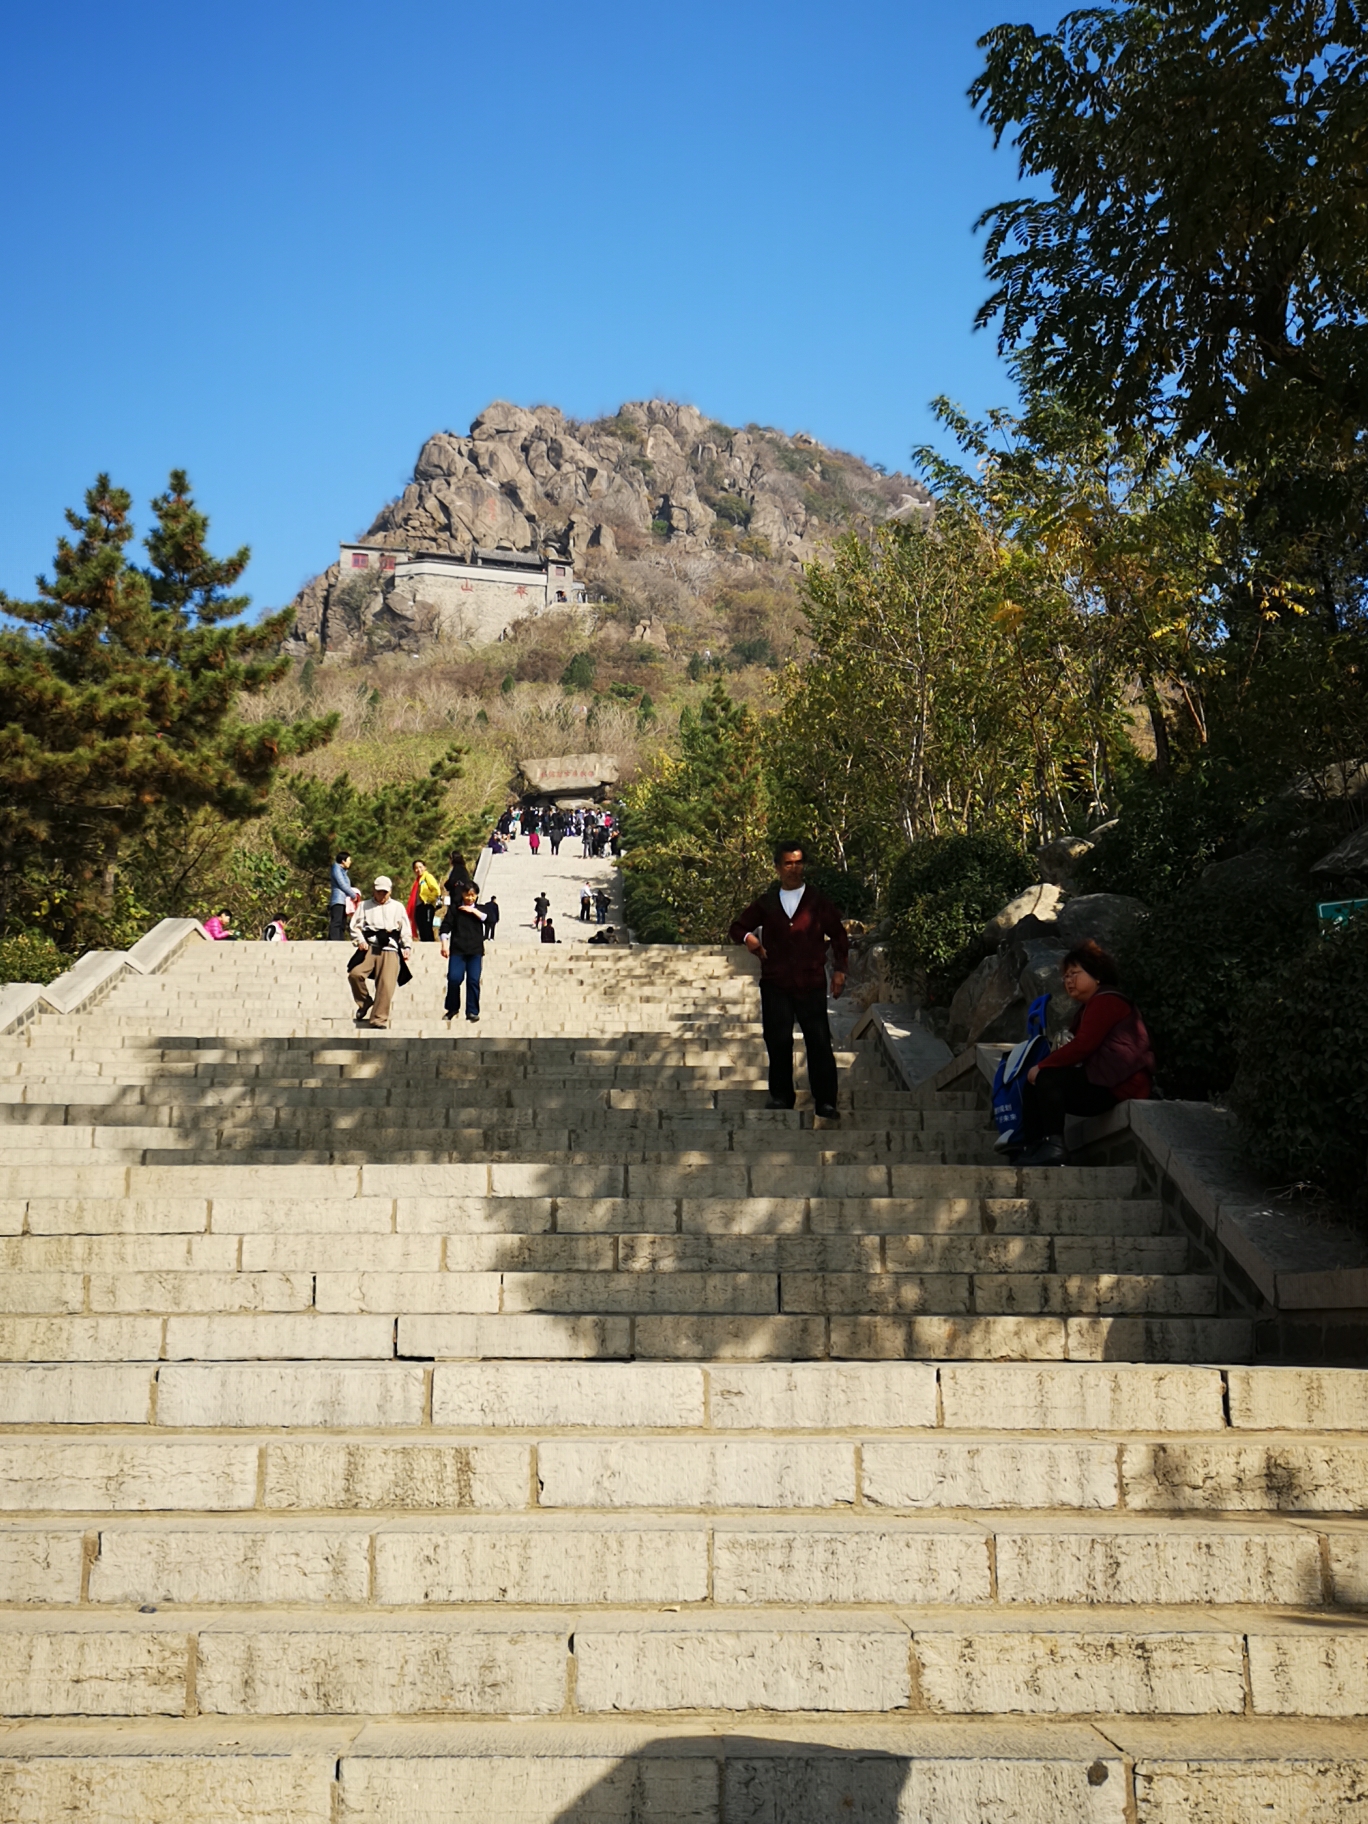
(654, 499)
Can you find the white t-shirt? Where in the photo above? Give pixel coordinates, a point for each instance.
(790, 898)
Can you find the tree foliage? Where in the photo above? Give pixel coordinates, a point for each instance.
(1301, 1099)
(942, 892)
(384, 830)
(695, 828)
(1196, 264)
(120, 701)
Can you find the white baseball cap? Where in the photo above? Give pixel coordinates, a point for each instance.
(383, 884)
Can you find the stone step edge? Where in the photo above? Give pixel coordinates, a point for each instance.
(721, 1397)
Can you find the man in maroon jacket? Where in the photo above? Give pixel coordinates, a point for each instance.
(789, 928)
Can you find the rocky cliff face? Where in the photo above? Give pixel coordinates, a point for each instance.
(656, 496)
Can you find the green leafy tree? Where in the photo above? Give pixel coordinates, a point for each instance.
(1196, 262)
(121, 700)
(942, 892)
(1190, 264)
(950, 688)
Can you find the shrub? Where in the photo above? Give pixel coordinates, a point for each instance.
(850, 894)
(1302, 1093)
(579, 673)
(1167, 832)
(942, 892)
(758, 651)
(1192, 966)
(29, 956)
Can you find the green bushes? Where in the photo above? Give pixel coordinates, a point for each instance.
(1302, 1090)
(1193, 964)
(579, 673)
(942, 892)
(31, 957)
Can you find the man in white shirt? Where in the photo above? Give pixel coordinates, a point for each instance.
(379, 925)
(790, 928)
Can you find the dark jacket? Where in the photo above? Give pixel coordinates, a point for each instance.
(795, 952)
(467, 933)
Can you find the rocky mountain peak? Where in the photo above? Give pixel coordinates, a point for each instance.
(655, 487)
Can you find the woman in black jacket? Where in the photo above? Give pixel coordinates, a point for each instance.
(463, 935)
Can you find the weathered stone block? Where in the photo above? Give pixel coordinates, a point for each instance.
(993, 1473)
(825, 1396)
(850, 1565)
(230, 1565)
(695, 1472)
(67, 1476)
(542, 1564)
(1080, 1397)
(657, 1668)
(417, 1477)
(65, 1671)
(289, 1393)
(601, 1394)
(1063, 1673)
(382, 1669)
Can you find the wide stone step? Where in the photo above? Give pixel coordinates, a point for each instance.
(918, 1661)
(991, 1563)
(1213, 1770)
(576, 1252)
(1289, 1473)
(708, 1396)
(602, 1288)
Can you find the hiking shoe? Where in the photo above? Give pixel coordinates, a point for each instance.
(472, 1019)
(362, 1014)
(774, 1102)
(1048, 1152)
(828, 1111)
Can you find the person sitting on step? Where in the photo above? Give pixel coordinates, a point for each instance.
(1108, 1060)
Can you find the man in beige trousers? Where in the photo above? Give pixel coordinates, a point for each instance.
(380, 925)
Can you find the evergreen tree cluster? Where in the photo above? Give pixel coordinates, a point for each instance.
(119, 694)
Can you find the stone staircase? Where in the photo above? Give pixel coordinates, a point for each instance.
(522, 1422)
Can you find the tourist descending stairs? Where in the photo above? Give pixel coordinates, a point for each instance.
(530, 1425)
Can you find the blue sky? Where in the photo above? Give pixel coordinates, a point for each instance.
(278, 245)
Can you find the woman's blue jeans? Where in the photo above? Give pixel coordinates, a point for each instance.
(464, 969)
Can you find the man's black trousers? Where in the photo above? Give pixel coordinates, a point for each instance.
(778, 1012)
(338, 920)
(1056, 1093)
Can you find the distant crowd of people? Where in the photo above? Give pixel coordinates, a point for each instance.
(384, 928)
(597, 830)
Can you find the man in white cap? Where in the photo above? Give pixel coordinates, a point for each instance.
(380, 926)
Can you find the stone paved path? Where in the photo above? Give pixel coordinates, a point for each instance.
(518, 876)
(528, 1425)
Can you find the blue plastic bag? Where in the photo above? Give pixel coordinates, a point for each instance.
(1011, 1074)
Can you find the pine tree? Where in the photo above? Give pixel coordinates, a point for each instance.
(384, 831)
(121, 702)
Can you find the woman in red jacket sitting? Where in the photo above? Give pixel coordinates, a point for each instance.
(1108, 1059)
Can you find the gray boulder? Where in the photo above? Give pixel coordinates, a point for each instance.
(1348, 857)
(1107, 918)
(982, 999)
(1036, 908)
(1058, 861)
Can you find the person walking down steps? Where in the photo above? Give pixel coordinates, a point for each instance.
(463, 942)
(541, 905)
(789, 928)
(384, 937)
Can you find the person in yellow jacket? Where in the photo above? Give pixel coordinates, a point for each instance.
(422, 902)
